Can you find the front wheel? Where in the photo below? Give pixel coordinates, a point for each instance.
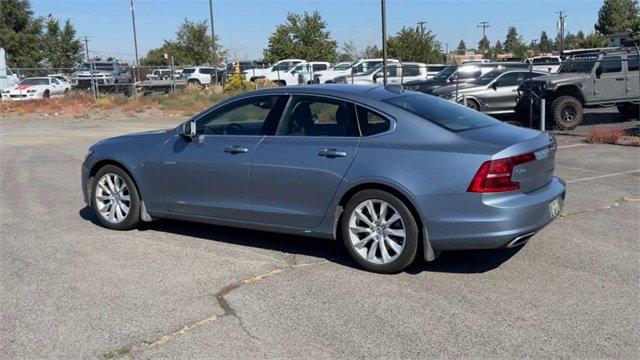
(115, 199)
(567, 112)
(379, 231)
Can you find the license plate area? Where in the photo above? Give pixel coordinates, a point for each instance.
(555, 207)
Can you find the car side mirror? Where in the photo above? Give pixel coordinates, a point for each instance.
(188, 130)
(495, 85)
(375, 77)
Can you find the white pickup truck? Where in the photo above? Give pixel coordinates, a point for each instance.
(300, 74)
(7, 77)
(281, 66)
(360, 67)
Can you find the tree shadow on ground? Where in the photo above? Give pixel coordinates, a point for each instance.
(461, 262)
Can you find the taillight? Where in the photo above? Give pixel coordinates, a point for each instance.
(495, 175)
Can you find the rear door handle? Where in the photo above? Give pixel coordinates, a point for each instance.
(332, 153)
(235, 149)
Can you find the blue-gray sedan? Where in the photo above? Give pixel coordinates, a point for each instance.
(381, 169)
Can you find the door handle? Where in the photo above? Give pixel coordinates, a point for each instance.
(235, 149)
(620, 78)
(332, 153)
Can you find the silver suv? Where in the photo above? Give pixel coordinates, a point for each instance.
(589, 78)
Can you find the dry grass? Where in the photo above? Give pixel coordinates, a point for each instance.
(185, 102)
(609, 136)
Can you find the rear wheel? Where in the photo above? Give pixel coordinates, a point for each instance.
(115, 199)
(379, 231)
(46, 94)
(567, 112)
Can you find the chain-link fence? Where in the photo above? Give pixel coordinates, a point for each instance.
(590, 90)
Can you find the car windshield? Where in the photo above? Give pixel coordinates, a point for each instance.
(447, 114)
(98, 66)
(486, 78)
(579, 64)
(34, 81)
(372, 70)
(445, 73)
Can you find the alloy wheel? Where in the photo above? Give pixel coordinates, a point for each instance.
(377, 231)
(568, 113)
(112, 198)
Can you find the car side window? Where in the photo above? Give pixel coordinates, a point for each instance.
(410, 70)
(319, 67)
(511, 79)
(244, 117)
(371, 123)
(632, 63)
(611, 64)
(55, 81)
(317, 116)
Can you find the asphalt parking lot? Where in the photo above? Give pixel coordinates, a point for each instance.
(71, 289)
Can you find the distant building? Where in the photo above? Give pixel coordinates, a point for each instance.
(618, 39)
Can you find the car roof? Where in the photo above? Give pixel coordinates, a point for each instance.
(349, 91)
(37, 77)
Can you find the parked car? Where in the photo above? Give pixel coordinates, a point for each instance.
(163, 74)
(397, 73)
(589, 78)
(200, 75)
(550, 64)
(359, 68)
(35, 88)
(299, 74)
(240, 67)
(109, 76)
(385, 171)
(495, 92)
(279, 67)
(453, 74)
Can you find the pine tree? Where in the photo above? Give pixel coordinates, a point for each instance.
(20, 34)
(617, 16)
(484, 44)
(545, 44)
(462, 46)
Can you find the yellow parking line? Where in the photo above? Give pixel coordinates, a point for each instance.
(604, 176)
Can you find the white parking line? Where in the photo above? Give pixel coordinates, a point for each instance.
(604, 176)
(572, 145)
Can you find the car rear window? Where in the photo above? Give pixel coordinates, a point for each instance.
(446, 114)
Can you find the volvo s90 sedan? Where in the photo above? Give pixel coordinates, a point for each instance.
(383, 170)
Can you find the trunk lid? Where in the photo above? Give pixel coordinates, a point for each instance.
(508, 141)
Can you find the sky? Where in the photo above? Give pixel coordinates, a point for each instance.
(244, 26)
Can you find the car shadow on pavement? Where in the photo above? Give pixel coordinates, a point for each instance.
(462, 262)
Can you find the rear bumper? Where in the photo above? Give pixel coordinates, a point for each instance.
(487, 221)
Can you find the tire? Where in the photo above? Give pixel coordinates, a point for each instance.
(46, 94)
(567, 112)
(629, 111)
(401, 252)
(98, 201)
(472, 104)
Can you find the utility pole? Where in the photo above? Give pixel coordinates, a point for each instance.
(561, 22)
(135, 38)
(384, 42)
(484, 25)
(421, 24)
(90, 63)
(213, 45)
